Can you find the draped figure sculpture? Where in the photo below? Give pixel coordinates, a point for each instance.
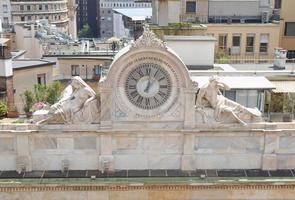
(78, 105)
(225, 110)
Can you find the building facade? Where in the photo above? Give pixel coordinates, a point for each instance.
(247, 41)
(212, 11)
(28, 11)
(26, 74)
(5, 12)
(240, 11)
(72, 6)
(106, 13)
(165, 12)
(243, 29)
(287, 26)
(87, 13)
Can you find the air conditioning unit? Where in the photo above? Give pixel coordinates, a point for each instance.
(265, 17)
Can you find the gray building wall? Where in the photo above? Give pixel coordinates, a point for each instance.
(106, 13)
(234, 8)
(5, 12)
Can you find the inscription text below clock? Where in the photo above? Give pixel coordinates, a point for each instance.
(148, 86)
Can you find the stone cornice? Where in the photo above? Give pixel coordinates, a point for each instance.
(157, 187)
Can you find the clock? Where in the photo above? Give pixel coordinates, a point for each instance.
(148, 86)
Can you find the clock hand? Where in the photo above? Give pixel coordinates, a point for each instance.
(146, 90)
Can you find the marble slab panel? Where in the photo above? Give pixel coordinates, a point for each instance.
(285, 161)
(131, 161)
(228, 161)
(6, 144)
(7, 162)
(41, 143)
(126, 143)
(156, 161)
(54, 162)
(287, 142)
(65, 143)
(171, 144)
(85, 143)
(251, 144)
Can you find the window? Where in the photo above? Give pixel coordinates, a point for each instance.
(222, 41)
(41, 79)
(5, 8)
(40, 7)
(236, 40)
(21, 7)
(22, 18)
(264, 43)
(278, 4)
(191, 6)
(5, 20)
(290, 29)
(230, 94)
(46, 7)
(248, 98)
(29, 18)
(28, 7)
(236, 43)
(75, 70)
(250, 43)
(97, 70)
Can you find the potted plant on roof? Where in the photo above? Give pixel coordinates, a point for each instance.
(3, 109)
(13, 112)
(28, 100)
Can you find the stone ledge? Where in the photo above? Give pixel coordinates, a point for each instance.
(149, 187)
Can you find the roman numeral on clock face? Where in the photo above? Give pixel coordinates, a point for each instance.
(147, 102)
(148, 71)
(134, 94)
(139, 99)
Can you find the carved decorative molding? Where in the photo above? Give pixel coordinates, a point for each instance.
(119, 113)
(115, 187)
(148, 39)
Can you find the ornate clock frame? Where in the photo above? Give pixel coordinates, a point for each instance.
(117, 108)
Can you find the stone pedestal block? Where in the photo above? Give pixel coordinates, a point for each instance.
(106, 163)
(187, 163)
(269, 162)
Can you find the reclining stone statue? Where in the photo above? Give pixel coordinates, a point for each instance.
(225, 110)
(78, 105)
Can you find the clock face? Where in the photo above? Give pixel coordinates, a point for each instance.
(148, 86)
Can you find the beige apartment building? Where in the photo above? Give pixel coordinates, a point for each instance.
(27, 73)
(243, 29)
(28, 11)
(89, 68)
(170, 11)
(287, 21)
(246, 41)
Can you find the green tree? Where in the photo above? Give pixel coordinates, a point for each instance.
(53, 92)
(3, 109)
(85, 32)
(222, 57)
(28, 100)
